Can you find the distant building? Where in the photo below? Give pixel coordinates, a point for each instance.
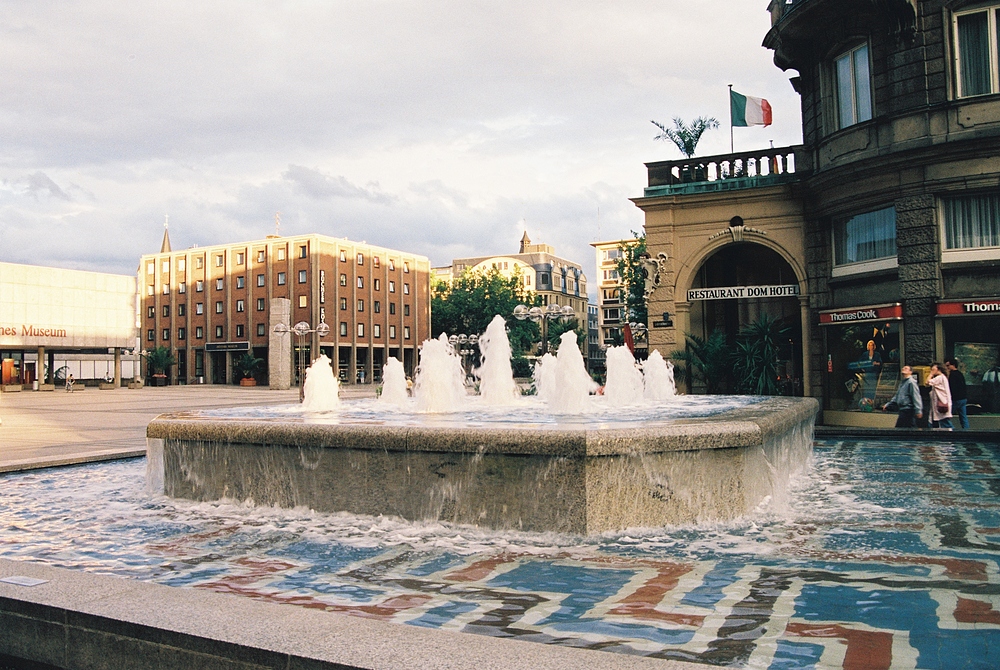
(210, 305)
(595, 350)
(52, 320)
(558, 281)
(611, 311)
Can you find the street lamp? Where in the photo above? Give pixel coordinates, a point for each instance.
(301, 329)
(542, 317)
(640, 333)
(465, 346)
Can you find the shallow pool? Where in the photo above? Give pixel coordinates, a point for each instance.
(887, 556)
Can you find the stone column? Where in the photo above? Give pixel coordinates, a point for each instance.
(279, 347)
(806, 348)
(118, 367)
(40, 375)
(682, 326)
(919, 276)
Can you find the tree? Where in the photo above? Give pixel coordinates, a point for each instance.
(632, 278)
(755, 357)
(710, 358)
(247, 364)
(470, 302)
(557, 327)
(159, 360)
(686, 137)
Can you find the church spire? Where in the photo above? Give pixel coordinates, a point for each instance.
(525, 242)
(165, 247)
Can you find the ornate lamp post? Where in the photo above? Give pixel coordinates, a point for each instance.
(301, 329)
(542, 317)
(465, 345)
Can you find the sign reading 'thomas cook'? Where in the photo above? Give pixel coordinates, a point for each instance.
(731, 292)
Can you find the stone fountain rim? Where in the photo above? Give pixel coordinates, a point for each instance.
(747, 426)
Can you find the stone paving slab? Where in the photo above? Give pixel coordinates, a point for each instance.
(45, 429)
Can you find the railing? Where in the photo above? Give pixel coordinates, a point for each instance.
(752, 169)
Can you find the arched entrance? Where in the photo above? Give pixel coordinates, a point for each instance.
(756, 281)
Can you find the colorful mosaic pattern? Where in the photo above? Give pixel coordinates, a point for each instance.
(887, 558)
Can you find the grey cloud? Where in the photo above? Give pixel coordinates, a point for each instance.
(317, 185)
(40, 183)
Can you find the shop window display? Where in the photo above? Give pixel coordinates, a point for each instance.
(863, 365)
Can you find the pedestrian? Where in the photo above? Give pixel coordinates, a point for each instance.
(69, 383)
(959, 394)
(940, 412)
(907, 400)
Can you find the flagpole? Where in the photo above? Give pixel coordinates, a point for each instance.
(731, 149)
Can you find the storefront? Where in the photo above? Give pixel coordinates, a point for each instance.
(862, 347)
(969, 330)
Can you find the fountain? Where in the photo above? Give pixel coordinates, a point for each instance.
(572, 462)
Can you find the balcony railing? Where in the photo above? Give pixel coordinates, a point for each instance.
(727, 172)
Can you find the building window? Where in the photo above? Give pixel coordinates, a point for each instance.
(343, 303)
(218, 332)
(182, 287)
(240, 283)
(218, 261)
(361, 282)
(376, 330)
(612, 314)
(150, 311)
(239, 306)
(303, 251)
(406, 266)
(392, 264)
(166, 334)
(220, 284)
(260, 280)
(976, 37)
(150, 334)
(406, 310)
(611, 254)
(239, 330)
(150, 290)
(392, 286)
(240, 258)
(377, 307)
(375, 261)
(406, 332)
(854, 91)
(199, 332)
(166, 267)
(166, 289)
(199, 308)
(260, 304)
(392, 308)
(361, 305)
(543, 278)
(180, 310)
(302, 276)
(150, 267)
(392, 332)
(218, 307)
(361, 330)
(261, 330)
(199, 262)
(181, 334)
(377, 285)
(865, 237)
(199, 286)
(406, 289)
(303, 301)
(343, 329)
(260, 256)
(281, 254)
(343, 280)
(281, 279)
(972, 222)
(343, 256)
(609, 275)
(361, 259)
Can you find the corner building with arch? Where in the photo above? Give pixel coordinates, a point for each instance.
(881, 231)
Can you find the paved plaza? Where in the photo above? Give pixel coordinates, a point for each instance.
(42, 429)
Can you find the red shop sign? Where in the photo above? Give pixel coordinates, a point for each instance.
(968, 307)
(892, 312)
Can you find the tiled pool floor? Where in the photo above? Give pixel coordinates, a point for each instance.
(886, 557)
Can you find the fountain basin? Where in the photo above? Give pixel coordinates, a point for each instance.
(574, 476)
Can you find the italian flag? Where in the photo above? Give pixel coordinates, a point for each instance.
(749, 111)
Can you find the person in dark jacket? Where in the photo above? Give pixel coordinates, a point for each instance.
(907, 400)
(959, 394)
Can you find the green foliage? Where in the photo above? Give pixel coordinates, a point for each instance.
(472, 300)
(521, 366)
(558, 326)
(247, 364)
(684, 136)
(755, 357)
(159, 359)
(709, 358)
(632, 278)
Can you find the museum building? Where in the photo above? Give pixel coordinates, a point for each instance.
(212, 305)
(875, 243)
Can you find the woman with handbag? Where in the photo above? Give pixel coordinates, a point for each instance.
(940, 414)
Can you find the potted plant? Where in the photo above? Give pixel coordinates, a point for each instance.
(159, 360)
(247, 365)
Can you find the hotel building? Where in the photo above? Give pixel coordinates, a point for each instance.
(210, 305)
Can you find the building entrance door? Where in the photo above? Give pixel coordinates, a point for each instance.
(218, 366)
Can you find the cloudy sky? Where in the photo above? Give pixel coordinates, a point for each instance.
(442, 127)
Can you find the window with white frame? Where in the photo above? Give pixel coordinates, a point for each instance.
(854, 91)
(361, 330)
(972, 222)
(866, 237)
(977, 61)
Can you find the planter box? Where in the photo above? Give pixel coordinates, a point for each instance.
(46, 387)
(159, 381)
(137, 384)
(246, 381)
(11, 388)
(107, 386)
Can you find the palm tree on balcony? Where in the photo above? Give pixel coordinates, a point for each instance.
(686, 137)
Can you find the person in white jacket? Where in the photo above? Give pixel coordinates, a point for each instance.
(939, 414)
